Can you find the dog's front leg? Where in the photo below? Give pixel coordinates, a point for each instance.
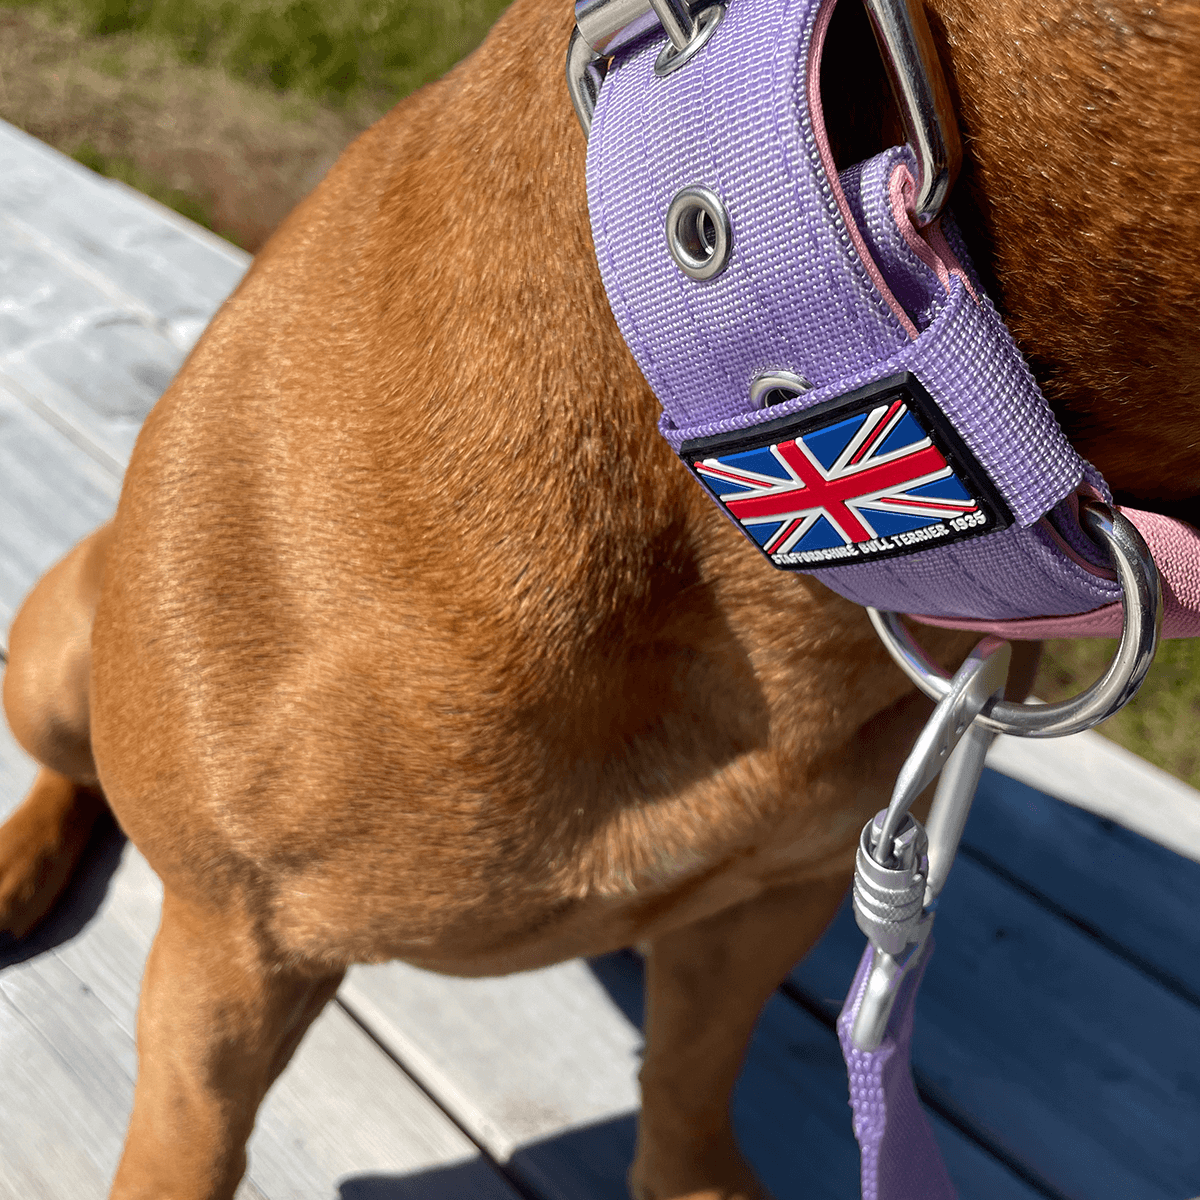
(705, 986)
(218, 1021)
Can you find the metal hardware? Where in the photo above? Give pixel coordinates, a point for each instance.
(585, 73)
(677, 21)
(975, 685)
(900, 868)
(604, 28)
(1141, 594)
(889, 908)
(674, 56)
(699, 234)
(879, 996)
(776, 387)
(919, 85)
(952, 805)
(609, 25)
(889, 897)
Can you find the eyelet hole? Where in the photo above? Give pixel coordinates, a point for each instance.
(777, 387)
(699, 235)
(778, 395)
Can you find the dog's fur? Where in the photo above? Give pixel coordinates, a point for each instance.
(412, 639)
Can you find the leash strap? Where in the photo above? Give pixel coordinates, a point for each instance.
(900, 1159)
(828, 282)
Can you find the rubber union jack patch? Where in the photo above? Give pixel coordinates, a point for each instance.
(874, 474)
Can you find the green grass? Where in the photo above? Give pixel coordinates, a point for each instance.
(351, 50)
(1162, 720)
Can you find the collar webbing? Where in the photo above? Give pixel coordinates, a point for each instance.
(828, 283)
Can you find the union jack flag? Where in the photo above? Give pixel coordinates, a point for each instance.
(867, 480)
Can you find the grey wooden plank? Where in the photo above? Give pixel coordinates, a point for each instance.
(95, 364)
(104, 293)
(516, 1058)
(342, 1117)
(149, 259)
(1134, 895)
(52, 493)
(68, 1142)
(17, 769)
(541, 1068)
(64, 1143)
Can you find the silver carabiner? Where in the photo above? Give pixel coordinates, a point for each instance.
(976, 683)
(900, 868)
(897, 859)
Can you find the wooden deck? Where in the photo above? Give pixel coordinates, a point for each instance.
(1058, 1032)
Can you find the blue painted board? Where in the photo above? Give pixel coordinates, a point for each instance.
(777, 1110)
(1140, 898)
(1034, 1035)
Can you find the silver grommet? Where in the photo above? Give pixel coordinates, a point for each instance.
(672, 58)
(699, 235)
(777, 387)
(1141, 597)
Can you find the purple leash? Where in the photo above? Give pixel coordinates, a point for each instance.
(900, 1159)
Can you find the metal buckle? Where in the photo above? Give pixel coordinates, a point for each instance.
(1141, 595)
(919, 85)
(604, 27)
(901, 867)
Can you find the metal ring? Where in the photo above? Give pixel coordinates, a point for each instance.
(586, 70)
(1141, 595)
(919, 85)
(699, 234)
(788, 383)
(672, 59)
(675, 16)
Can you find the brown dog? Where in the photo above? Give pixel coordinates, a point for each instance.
(361, 685)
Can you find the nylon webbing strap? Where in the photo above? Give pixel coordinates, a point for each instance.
(825, 280)
(900, 1159)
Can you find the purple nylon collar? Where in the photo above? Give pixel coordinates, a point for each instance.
(827, 280)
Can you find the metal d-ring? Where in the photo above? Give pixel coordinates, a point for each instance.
(674, 56)
(605, 27)
(919, 85)
(1141, 595)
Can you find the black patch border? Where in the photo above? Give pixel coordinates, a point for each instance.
(928, 416)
